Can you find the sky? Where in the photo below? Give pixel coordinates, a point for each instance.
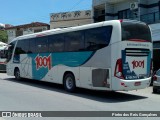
(18, 12)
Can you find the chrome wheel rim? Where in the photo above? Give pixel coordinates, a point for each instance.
(69, 83)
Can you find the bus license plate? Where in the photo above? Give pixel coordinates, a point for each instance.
(137, 83)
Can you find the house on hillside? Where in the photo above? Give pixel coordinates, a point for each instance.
(25, 29)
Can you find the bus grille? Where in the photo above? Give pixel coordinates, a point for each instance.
(137, 52)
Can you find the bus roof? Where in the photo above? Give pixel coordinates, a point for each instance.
(70, 29)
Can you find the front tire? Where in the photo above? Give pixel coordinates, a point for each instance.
(17, 74)
(69, 82)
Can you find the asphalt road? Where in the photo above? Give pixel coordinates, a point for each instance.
(31, 95)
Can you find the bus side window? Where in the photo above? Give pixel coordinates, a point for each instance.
(26, 46)
(56, 43)
(74, 41)
(32, 46)
(42, 44)
(97, 38)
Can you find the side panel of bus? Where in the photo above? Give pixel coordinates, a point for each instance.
(96, 72)
(91, 67)
(45, 67)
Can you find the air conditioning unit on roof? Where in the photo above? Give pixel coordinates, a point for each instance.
(133, 5)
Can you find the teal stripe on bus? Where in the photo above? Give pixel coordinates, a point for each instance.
(42, 63)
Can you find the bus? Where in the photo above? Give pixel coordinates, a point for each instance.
(112, 55)
(3, 56)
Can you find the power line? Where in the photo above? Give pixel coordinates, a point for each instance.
(47, 17)
(76, 5)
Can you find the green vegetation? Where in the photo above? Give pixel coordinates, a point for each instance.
(3, 36)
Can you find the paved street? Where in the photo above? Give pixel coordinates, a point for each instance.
(29, 95)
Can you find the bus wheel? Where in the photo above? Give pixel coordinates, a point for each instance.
(69, 82)
(17, 74)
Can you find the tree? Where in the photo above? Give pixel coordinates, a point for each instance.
(3, 36)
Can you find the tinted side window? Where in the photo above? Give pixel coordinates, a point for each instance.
(97, 38)
(74, 41)
(22, 47)
(42, 44)
(56, 43)
(32, 45)
(26, 46)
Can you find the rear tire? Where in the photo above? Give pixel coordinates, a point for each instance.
(17, 74)
(155, 90)
(69, 82)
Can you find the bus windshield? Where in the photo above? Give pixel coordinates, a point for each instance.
(135, 32)
(3, 54)
(10, 50)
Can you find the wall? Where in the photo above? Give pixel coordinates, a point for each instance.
(68, 19)
(62, 24)
(98, 2)
(120, 5)
(11, 34)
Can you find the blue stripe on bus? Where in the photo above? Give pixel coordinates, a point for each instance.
(70, 59)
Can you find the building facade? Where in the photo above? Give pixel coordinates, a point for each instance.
(70, 19)
(147, 11)
(25, 29)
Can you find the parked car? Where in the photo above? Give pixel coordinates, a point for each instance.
(156, 82)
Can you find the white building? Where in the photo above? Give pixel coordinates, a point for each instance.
(144, 10)
(25, 29)
(69, 19)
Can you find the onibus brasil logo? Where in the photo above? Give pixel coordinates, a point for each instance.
(43, 62)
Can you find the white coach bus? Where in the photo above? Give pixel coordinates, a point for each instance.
(3, 56)
(112, 55)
